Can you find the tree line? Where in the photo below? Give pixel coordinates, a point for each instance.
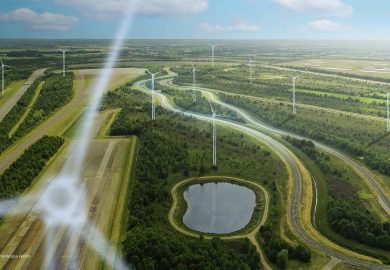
(19, 176)
(347, 215)
(56, 92)
(14, 115)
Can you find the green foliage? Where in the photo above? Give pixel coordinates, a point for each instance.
(346, 213)
(157, 249)
(151, 247)
(184, 100)
(282, 258)
(26, 168)
(273, 246)
(172, 148)
(25, 53)
(276, 84)
(351, 221)
(56, 92)
(359, 137)
(14, 115)
(15, 74)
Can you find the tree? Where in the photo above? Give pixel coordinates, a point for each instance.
(282, 258)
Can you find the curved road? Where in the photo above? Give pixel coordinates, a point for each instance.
(295, 174)
(168, 82)
(359, 169)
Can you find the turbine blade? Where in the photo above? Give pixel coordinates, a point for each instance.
(211, 107)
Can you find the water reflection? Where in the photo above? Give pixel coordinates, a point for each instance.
(218, 207)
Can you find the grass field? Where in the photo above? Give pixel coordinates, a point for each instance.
(120, 76)
(106, 174)
(9, 91)
(342, 96)
(372, 68)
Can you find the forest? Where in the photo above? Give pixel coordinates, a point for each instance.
(362, 138)
(13, 74)
(173, 148)
(48, 101)
(19, 176)
(12, 118)
(347, 214)
(276, 84)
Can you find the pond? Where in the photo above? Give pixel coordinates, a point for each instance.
(218, 208)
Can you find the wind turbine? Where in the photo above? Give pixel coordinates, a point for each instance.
(2, 75)
(153, 93)
(194, 70)
(212, 53)
(294, 79)
(214, 136)
(63, 62)
(250, 65)
(388, 112)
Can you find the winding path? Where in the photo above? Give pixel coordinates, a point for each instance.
(363, 172)
(294, 168)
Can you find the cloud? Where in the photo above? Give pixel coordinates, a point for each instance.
(328, 7)
(325, 26)
(40, 21)
(238, 27)
(108, 8)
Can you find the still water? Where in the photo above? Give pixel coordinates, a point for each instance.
(218, 207)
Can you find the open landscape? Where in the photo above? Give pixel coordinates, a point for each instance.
(126, 147)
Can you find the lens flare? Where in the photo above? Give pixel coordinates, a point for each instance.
(62, 204)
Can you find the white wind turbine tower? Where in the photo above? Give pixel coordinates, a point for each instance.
(153, 94)
(294, 79)
(194, 70)
(212, 54)
(2, 75)
(250, 65)
(388, 112)
(214, 136)
(63, 63)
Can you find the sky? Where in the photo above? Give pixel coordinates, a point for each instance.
(198, 19)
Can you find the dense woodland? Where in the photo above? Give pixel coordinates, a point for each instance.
(185, 101)
(276, 84)
(14, 115)
(174, 148)
(272, 243)
(56, 92)
(346, 213)
(46, 103)
(26, 168)
(25, 53)
(359, 137)
(12, 74)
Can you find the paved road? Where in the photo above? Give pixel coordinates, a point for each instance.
(296, 177)
(15, 151)
(168, 83)
(363, 172)
(18, 94)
